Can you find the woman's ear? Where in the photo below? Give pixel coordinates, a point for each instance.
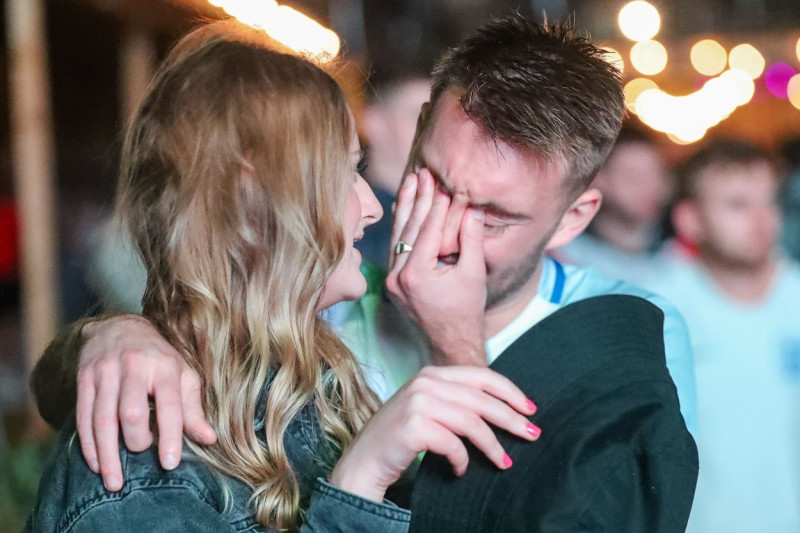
(576, 218)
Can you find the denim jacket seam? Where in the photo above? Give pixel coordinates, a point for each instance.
(141, 483)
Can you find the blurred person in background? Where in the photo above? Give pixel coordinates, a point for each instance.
(625, 237)
(740, 300)
(388, 123)
(790, 199)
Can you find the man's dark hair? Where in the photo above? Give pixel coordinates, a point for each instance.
(720, 153)
(538, 87)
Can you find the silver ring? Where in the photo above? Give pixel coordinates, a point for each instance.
(402, 247)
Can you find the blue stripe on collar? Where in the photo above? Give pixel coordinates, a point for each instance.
(558, 286)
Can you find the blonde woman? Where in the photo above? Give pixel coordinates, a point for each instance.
(239, 186)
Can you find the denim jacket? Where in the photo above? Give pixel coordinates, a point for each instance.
(194, 497)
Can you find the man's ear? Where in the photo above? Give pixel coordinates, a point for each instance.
(686, 221)
(422, 123)
(576, 218)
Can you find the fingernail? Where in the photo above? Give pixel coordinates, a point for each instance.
(112, 483)
(94, 467)
(170, 462)
(531, 405)
(507, 462)
(532, 430)
(477, 214)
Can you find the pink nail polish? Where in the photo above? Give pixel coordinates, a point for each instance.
(507, 462)
(532, 430)
(531, 405)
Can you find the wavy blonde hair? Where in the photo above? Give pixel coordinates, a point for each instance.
(234, 183)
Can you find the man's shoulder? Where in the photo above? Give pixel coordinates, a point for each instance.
(586, 282)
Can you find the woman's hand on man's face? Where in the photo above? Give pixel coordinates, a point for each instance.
(430, 413)
(123, 364)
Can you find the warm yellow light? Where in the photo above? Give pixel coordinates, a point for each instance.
(676, 140)
(639, 21)
(615, 58)
(797, 49)
(793, 89)
(708, 57)
(284, 24)
(649, 57)
(252, 13)
(717, 99)
(691, 133)
(741, 85)
(303, 34)
(634, 88)
(748, 59)
(655, 108)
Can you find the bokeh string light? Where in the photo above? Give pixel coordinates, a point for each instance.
(708, 57)
(649, 57)
(747, 58)
(793, 90)
(639, 21)
(686, 119)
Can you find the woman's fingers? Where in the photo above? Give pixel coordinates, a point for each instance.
(470, 425)
(455, 399)
(486, 380)
(442, 441)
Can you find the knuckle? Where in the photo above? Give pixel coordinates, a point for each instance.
(407, 278)
(105, 421)
(106, 368)
(418, 402)
(131, 358)
(133, 415)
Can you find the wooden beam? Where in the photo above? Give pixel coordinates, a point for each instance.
(33, 162)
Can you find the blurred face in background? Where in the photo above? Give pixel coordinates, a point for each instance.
(635, 184)
(736, 216)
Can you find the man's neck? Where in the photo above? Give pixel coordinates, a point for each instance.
(622, 234)
(503, 313)
(743, 284)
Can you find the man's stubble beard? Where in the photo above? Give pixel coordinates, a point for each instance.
(500, 290)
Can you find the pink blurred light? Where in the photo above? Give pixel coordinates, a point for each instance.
(776, 78)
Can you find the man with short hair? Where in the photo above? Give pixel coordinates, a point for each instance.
(520, 118)
(740, 301)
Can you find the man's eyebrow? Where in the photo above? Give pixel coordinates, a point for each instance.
(489, 207)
